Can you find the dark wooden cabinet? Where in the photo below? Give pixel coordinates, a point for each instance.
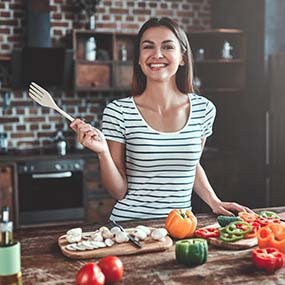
(112, 67)
(99, 202)
(223, 81)
(7, 184)
(263, 23)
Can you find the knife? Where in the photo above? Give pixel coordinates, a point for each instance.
(131, 238)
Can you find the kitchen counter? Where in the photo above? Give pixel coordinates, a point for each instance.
(43, 154)
(43, 262)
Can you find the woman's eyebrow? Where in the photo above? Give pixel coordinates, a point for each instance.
(151, 42)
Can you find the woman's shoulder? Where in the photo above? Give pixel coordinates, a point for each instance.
(199, 100)
(120, 104)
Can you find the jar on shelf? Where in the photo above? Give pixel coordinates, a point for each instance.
(226, 51)
(123, 53)
(200, 54)
(90, 52)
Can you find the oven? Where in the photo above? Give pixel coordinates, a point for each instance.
(50, 191)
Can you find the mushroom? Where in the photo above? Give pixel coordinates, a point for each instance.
(145, 229)
(139, 234)
(109, 242)
(159, 234)
(106, 233)
(121, 237)
(97, 236)
(115, 230)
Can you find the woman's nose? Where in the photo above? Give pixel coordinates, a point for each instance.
(158, 53)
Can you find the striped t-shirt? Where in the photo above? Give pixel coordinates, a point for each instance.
(160, 166)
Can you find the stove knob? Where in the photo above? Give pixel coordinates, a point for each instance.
(76, 166)
(58, 166)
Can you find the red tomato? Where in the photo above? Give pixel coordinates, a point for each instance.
(90, 274)
(112, 268)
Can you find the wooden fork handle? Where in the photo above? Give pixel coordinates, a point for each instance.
(65, 114)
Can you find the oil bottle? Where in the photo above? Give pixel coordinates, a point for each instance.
(10, 252)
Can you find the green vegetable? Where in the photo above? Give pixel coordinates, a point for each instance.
(225, 220)
(269, 214)
(191, 251)
(238, 227)
(235, 231)
(230, 237)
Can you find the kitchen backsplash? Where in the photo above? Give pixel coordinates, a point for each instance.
(30, 126)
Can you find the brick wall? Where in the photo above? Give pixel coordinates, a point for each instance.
(30, 126)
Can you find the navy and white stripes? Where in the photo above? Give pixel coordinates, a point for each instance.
(160, 166)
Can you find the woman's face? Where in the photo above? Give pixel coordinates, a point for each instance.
(160, 54)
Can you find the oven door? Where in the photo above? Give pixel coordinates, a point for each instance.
(50, 197)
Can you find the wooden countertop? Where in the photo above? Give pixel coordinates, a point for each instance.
(43, 263)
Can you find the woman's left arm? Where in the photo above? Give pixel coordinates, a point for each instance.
(205, 191)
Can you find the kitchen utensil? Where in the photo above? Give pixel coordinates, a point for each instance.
(42, 97)
(131, 238)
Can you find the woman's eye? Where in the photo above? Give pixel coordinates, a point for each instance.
(168, 47)
(147, 47)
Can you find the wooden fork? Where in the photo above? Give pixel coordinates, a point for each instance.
(42, 97)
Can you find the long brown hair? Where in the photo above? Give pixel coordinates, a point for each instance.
(184, 74)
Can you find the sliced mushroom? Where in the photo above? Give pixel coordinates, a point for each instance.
(115, 230)
(121, 237)
(159, 234)
(97, 236)
(139, 234)
(109, 242)
(145, 229)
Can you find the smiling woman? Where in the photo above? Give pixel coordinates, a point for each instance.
(150, 152)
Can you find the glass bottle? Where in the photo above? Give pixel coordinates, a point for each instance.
(123, 53)
(90, 52)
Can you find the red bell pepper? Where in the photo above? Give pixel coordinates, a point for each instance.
(207, 232)
(255, 227)
(268, 258)
(265, 221)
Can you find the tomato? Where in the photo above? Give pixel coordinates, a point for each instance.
(90, 274)
(112, 268)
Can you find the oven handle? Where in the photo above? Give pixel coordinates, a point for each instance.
(52, 175)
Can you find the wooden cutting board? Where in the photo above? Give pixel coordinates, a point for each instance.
(237, 245)
(149, 245)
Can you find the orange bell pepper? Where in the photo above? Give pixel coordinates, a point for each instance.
(181, 223)
(247, 217)
(272, 235)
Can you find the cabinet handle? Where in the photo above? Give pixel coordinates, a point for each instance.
(52, 175)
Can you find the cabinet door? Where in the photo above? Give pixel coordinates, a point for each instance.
(6, 187)
(276, 134)
(99, 210)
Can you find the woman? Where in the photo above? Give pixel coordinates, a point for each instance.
(152, 143)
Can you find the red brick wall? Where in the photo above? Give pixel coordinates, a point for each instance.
(29, 125)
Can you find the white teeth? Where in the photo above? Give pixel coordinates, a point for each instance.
(157, 65)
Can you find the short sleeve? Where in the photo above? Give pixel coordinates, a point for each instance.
(210, 114)
(113, 124)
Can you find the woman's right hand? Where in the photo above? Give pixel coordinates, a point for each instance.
(89, 136)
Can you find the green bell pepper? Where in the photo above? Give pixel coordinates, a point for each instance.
(191, 251)
(230, 237)
(225, 220)
(269, 214)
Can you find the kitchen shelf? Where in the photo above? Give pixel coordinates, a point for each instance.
(223, 81)
(108, 72)
(221, 61)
